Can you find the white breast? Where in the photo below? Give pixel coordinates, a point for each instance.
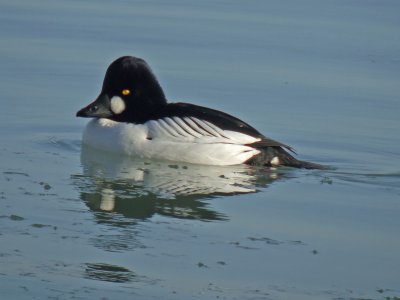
(179, 139)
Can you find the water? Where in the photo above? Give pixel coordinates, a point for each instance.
(322, 77)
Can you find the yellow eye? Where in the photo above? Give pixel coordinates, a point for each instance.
(126, 92)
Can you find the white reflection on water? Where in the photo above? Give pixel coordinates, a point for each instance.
(171, 178)
(139, 189)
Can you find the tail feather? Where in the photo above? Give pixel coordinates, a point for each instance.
(277, 156)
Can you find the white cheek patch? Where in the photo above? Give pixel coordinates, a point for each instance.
(117, 105)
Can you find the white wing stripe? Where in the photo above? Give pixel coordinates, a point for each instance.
(176, 127)
(168, 128)
(216, 128)
(191, 129)
(207, 128)
(187, 127)
(195, 127)
(159, 130)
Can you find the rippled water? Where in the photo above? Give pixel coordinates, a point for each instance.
(80, 223)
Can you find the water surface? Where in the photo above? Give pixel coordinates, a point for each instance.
(322, 77)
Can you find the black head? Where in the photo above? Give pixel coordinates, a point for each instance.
(130, 93)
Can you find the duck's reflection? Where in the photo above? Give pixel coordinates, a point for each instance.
(139, 189)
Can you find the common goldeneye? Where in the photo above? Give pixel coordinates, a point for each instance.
(132, 116)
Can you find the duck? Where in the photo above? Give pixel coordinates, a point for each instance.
(131, 116)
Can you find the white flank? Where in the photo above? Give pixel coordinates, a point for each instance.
(117, 105)
(179, 139)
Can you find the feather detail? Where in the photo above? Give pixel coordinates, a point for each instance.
(197, 131)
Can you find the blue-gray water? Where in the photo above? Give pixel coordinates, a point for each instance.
(322, 76)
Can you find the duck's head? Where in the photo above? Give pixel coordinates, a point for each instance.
(130, 93)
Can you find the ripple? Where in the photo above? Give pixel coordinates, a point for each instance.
(385, 180)
(110, 273)
(63, 144)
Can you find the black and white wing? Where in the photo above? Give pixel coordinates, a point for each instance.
(189, 122)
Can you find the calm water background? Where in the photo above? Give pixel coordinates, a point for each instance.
(322, 76)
